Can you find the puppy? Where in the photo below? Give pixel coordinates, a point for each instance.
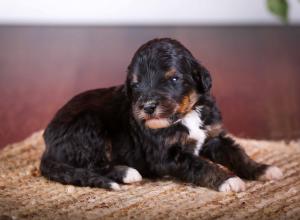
(162, 122)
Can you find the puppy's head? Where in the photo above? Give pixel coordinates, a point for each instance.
(164, 82)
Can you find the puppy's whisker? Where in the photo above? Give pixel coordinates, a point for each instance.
(158, 111)
(138, 113)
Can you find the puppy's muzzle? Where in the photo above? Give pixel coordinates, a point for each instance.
(149, 107)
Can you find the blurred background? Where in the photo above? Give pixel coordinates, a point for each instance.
(51, 50)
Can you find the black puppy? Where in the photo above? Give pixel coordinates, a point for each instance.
(162, 122)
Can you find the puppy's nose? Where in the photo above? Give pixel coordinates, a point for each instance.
(150, 108)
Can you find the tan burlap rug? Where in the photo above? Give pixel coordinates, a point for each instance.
(24, 194)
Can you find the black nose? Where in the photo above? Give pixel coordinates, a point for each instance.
(149, 108)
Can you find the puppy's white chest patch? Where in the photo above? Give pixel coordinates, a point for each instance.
(193, 122)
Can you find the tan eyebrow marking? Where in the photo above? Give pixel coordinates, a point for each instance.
(134, 78)
(170, 73)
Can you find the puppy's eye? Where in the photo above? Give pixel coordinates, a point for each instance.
(174, 78)
(135, 85)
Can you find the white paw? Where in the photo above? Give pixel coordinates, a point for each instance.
(131, 176)
(272, 173)
(233, 184)
(115, 186)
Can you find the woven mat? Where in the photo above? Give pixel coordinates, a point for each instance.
(24, 194)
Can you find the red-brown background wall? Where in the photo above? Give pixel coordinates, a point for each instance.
(256, 72)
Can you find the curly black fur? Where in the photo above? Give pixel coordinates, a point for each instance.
(146, 124)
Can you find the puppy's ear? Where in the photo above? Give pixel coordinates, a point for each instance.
(202, 77)
(127, 88)
(128, 83)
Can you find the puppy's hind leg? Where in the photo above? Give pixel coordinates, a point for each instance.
(67, 174)
(223, 150)
(124, 174)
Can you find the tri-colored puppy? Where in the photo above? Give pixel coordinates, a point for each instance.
(162, 122)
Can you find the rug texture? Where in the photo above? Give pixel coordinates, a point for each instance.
(24, 194)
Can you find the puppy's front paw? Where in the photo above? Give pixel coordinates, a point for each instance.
(114, 186)
(233, 184)
(131, 176)
(271, 173)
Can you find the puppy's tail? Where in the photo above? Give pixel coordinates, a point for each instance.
(67, 174)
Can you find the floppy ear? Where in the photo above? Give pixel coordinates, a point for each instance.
(127, 88)
(128, 82)
(202, 77)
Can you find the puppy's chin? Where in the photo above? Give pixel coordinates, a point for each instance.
(156, 123)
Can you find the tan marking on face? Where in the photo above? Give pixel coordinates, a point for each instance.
(134, 78)
(170, 73)
(184, 104)
(214, 129)
(188, 102)
(157, 123)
